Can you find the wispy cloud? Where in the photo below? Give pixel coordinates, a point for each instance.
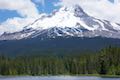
(15, 24)
(25, 8)
(102, 9)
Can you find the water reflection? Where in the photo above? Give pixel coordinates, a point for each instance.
(57, 78)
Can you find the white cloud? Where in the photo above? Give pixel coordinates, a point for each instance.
(25, 8)
(102, 9)
(15, 24)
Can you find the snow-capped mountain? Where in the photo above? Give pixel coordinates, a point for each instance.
(66, 22)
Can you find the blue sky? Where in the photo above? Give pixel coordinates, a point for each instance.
(111, 0)
(15, 14)
(48, 7)
(5, 14)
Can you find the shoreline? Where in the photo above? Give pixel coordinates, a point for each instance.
(81, 75)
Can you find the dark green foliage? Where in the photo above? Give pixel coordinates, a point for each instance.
(104, 62)
(56, 45)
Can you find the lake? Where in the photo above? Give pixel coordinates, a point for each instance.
(57, 78)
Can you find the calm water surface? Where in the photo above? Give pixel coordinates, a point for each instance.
(57, 78)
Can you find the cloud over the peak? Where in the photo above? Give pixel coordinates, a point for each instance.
(102, 9)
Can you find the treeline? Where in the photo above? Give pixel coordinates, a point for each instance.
(104, 62)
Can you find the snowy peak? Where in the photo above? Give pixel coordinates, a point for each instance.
(66, 22)
(79, 12)
(65, 17)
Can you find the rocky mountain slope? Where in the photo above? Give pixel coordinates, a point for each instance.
(66, 22)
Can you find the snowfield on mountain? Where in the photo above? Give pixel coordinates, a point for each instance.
(66, 22)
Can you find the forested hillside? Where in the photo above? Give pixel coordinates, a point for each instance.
(55, 45)
(103, 62)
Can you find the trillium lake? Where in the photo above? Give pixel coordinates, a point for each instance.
(57, 78)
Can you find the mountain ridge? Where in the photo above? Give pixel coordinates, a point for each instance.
(66, 22)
